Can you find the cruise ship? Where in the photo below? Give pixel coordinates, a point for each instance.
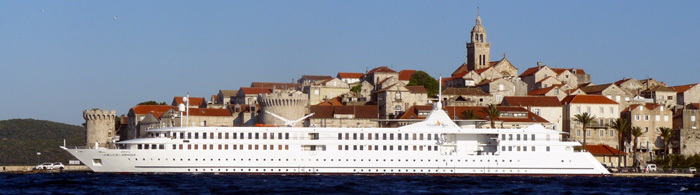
(435, 146)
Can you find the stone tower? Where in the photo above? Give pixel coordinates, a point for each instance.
(288, 104)
(99, 126)
(478, 49)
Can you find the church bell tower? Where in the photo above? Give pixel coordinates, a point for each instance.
(478, 49)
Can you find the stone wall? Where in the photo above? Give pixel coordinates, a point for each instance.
(100, 126)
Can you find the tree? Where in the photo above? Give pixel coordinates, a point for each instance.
(621, 125)
(151, 103)
(666, 134)
(356, 88)
(585, 119)
(469, 114)
(420, 78)
(492, 113)
(635, 132)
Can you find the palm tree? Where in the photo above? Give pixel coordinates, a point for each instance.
(621, 125)
(635, 132)
(469, 114)
(666, 134)
(586, 120)
(492, 112)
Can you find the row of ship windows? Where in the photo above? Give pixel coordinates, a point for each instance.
(324, 160)
(205, 135)
(521, 148)
(368, 170)
(519, 137)
(399, 136)
(386, 148)
(210, 147)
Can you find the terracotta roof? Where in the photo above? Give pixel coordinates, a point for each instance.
(462, 69)
(482, 70)
(596, 88)
(156, 110)
(546, 101)
(360, 112)
(405, 75)
(530, 71)
(384, 89)
(650, 106)
(336, 101)
(464, 91)
(546, 79)
(683, 88)
(561, 70)
(693, 106)
(380, 69)
(417, 89)
(603, 150)
(275, 85)
(618, 83)
(541, 91)
(412, 112)
(209, 112)
(531, 117)
(244, 107)
(587, 99)
(255, 90)
(315, 77)
(194, 101)
(350, 75)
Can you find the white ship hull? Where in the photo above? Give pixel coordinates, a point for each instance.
(436, 146)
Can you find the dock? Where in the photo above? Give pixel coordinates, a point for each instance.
(21, 169)
(653, 175)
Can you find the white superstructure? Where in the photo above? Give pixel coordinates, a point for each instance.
(434, 146)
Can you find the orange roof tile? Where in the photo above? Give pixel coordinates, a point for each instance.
(405, 75)
(603, 150)
(530, 71)
(683, 88)
(336, 101)
(587, 99)
(546, 101)
(380, 69)
(350, 75)
(462, 69)
(194, 101)
(255, 90)
(156, 110)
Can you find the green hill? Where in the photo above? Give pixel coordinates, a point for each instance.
(21, 139)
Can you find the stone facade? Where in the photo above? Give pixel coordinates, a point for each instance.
(100, 127)
(288, 104)
(343, 116)
(649, 117)
(478, 49)
(660, 95)
(548, 108)
(688, 127)
(686, 94)
(467, 97)
(395, 99)
(321, 91)
(605, 111)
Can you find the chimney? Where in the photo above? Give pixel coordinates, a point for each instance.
(539, 65)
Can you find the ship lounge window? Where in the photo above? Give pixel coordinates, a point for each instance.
(533, 137)
(204, 147)
(384, 136)
(369, 136)
(226, 135)
(340, 136)
(234, 136)
(346, 147)
(420, 147)
(161, 146)
(405, 148)
(525, 148)
(250, 135)
(391, 148)
(180, 146)
(414, 136)
(354, 136)
(279, 135)
(518, 137)
(503, 137)
(547, 148)
(503, 148)
(384, 148)
(435, 148)
(436, 137)
(429, 136)
(182, 135)
(429, 148)
(376, 147)
(510, 148)
(533, 148)
(256, 147)
(204, 135)
(272, 135)
(525, 137)
(518, 148)
(189, 147)
(391, 136)
(399, 148)
(361, 147)
(354, 147)
(362, 136)
(399, 136)
(257, 135)
(510, 137)
(196, 146)
(368, 148)
(211, 136)
(140, 147)
(264, 135)
(340, 147)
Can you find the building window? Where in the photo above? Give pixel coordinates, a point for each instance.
(637, 117)
(612, 133)
(665, 118)
(602, 133)
(578, 132)
(588, 133)
(602, 110)
(692, 118)
(612, 110)
(657, 118)
(646, 117)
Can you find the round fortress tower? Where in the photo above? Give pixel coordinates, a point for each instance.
(99, 126)
(284, 103)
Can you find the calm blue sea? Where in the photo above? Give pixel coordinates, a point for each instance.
(91, 183)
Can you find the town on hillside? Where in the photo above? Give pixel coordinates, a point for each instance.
(660, 118)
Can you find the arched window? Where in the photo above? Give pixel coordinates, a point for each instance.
(481, 37)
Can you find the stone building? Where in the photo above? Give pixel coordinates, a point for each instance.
(142, 118)
(245, 115)
(343, 116)
(198, 117)
(631, 85)
(312, 79)
(350, 77)
(570, 76)
(548, 108)
(282, 86)
(405, 76)
(611, 91)
(603, 109)
(605, 154)
(650, 82)
(249, 95)
(395, 99)
(649, 117)
(467, 97)
(284, 103)
(226, 97)
(686, 94)
(379, 74)
(660, 95)
(687, 127)
(100, 126)
(502, 87)
(559, 91)
(320, 91)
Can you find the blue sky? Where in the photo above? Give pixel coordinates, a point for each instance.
(61, 57)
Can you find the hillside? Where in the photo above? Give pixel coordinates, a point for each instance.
(20, 139)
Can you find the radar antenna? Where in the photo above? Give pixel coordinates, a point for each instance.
(287, 122)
